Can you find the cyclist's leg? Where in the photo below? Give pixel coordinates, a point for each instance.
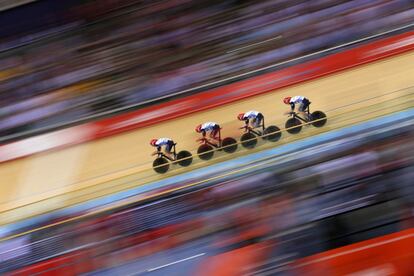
(306, 109)
(214, 133)
(168, 148)
(260, 119)
(255, 122)
(302, 110)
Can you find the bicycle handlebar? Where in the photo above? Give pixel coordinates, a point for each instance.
(247, 128)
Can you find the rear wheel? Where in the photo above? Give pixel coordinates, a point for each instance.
(293, 126)
(229, 145)
(205, 152)
(276, 134)
(248, 140)
(184, 158)
(319, 117)
(161, 165)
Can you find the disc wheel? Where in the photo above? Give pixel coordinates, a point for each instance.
(184, 158)
(160, 165)
(248, 140)
(275, 133)
(205, 152)
(229, 145)
(319, 117)
(293, 126)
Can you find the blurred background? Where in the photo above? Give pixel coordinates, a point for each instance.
(341, 205)
(77, 60)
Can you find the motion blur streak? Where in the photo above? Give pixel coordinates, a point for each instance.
(39, 169)
(386, 84)
(268, 219)
(125, 52)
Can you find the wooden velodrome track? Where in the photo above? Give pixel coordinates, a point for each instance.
(56, 179)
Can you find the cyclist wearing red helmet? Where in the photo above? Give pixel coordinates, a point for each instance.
(214, 129)
(302, 102)
(255, 116)
(160, 142)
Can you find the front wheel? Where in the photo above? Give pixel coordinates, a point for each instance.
(293, 126)
(205, 152)
(318, 118)
(160, 165)
(273, 133)
(248, 140)
(184, 158)
(229, 145)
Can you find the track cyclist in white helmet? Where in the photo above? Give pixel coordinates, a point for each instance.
(255, 118)
(160, 142)
(302, 103)
(211, 127)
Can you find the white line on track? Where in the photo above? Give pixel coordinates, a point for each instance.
(255, 44)
(176, 262)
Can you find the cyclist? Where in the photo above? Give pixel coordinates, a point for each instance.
(255, 116)
(160, 142)
(214, 129)
(302, 102)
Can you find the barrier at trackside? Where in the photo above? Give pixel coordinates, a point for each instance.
(386, 255)
(209, 99)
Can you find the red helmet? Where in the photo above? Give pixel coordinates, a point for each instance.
(287, 100)
(198, 128)
(153, 142)
(240, 116)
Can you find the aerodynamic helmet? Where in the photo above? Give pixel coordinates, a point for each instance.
(153, 142)
(287, 100)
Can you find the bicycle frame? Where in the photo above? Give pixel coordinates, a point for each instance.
(161, 154)
(205, 140)
(250, 129)
(295, 115)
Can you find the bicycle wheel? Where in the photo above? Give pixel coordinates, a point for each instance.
(248, 140)
(229, 145)
(319, 117)
(205, 152)
(276, 133)
(160, 165)
(293, 126)
(184, 158)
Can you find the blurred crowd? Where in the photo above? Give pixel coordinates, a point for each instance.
(318, 199)
(77, 59)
